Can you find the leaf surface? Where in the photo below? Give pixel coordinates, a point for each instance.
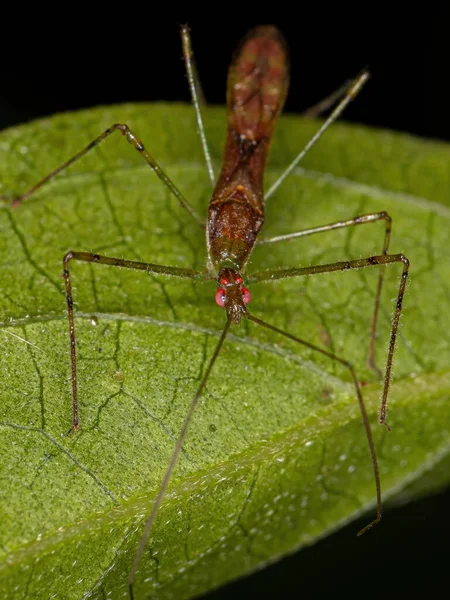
(276, 456)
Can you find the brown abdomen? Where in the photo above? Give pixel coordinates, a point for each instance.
(256, 91)
(258, 80)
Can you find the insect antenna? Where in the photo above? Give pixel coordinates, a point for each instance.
(174, 459)
(362, 407)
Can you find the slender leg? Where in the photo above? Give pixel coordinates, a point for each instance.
(196, 95)
(361, 220)
(116, 262)
(362, 407)
(174, 459)
(137, 144)
(352, 91)
(382, 261)
(317, 109)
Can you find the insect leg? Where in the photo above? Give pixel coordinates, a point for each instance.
(117, 262)
(381, 260)
(361, 220)
(317, 109)
(352, 91)
(197, 96)
(137, 144)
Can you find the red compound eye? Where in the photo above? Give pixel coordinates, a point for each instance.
(246, 295)
(239, 280)
(220, 297)
(224, 281)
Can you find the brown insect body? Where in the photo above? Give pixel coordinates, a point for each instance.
(256, 91)
(257, 88)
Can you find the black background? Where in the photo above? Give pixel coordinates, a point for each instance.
(47, 68)
(68, 60)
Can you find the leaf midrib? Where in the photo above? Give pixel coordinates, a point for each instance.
(345, 407)
(266, 347)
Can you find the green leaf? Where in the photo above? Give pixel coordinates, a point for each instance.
(276, 456)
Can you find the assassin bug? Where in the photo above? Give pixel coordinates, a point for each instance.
(257, 88)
